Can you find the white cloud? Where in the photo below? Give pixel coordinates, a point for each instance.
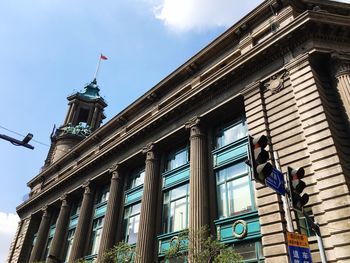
(199, 15)
(8, 227)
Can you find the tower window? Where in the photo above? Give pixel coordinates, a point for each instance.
(83, 115)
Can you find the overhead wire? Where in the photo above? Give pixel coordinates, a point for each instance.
(39, 142)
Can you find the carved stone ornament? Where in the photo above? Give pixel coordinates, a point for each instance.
(193, 122)
(63, 197)
(45, 210)
(341, 63)
(114, 168)
(276, 83)
(87, 187)
(149, 151)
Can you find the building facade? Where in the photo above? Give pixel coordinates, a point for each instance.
(175, 158)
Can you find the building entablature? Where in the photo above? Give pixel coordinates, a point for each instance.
(237, 64)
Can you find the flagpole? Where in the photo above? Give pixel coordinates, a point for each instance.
(97, 68)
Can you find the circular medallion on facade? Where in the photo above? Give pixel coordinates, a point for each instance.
(240, 229)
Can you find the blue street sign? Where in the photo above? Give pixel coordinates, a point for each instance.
(276, 181)
(299, 254)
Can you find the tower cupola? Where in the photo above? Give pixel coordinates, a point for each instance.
(85, 114)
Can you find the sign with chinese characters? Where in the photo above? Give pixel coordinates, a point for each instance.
(298, 247)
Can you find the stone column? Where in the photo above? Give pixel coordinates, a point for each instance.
(112, 214)
(60, 236)
(146, 239)
(39, 246)
(198, 178)
(79, 242)
(342, 74)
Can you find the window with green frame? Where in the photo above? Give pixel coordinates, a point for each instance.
(131, 222)
(251, 251)
(131, 219)
(175, 209)
(303, 224)
(74, 214)
(136, 179)
(230, 133)
(234, 190)
(177, 158)
(96, 234)
(69, 244)
(49, 240)
(97, 224)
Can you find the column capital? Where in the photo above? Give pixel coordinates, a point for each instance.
(87, 187)
(149, 150)
(45, 210)
(341, 63)
(195, 126)
(114, 170)
(64, 199)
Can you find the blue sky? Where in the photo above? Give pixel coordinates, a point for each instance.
(49, 49)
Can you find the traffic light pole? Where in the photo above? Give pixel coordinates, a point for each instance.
(284, 198)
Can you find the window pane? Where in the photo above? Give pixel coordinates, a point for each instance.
(179, 192)
(177, 159)
(136, 178)
(69, 244)
(175, 209)
(96, 235)
(179, 214)
(133, 229)
(236, 170)
(222, 201)
(246, 250)
(230, 134)
(131, 223)
(241, 194)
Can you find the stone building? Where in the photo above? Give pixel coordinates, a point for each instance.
(175, 158)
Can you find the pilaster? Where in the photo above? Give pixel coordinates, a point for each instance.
(146, 240)
(39, 246)
(60, 236)
(326, 177)
(110, 225)
(262, 118)
(342, 74)
(199, 203)
(85, 216)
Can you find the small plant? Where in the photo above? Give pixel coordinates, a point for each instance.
(120, 253)
(200, 247)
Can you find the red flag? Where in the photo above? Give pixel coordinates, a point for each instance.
(103, 57)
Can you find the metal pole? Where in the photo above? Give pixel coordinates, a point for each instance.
(284, 199)
(320, 245)
(315, 227)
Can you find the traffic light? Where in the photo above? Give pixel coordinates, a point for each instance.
(297, 186)
(259, 158)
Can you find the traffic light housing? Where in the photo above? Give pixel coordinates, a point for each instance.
(259, 158)
(297, 186)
